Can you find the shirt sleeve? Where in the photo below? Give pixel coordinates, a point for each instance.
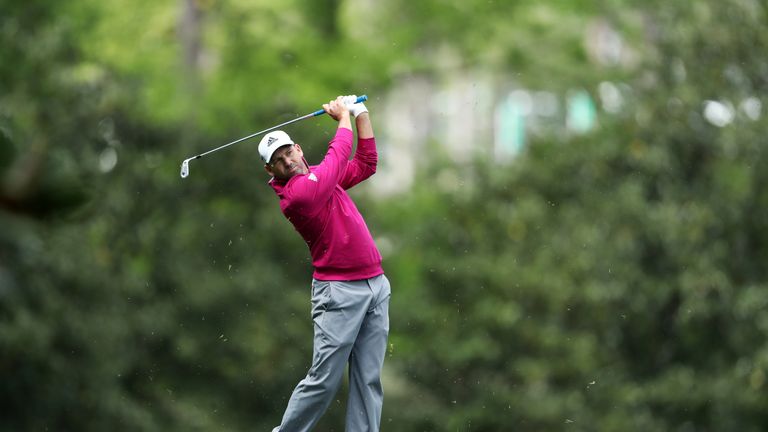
(309, 192)
(363, 165)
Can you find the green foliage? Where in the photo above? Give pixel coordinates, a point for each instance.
(608, 281)
(597, 283)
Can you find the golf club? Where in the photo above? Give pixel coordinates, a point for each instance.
(185, 164)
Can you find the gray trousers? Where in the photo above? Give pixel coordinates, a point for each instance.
(351, 320)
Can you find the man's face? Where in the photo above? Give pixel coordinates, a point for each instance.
(286, 162)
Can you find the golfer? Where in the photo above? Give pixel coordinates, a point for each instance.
(350, 294)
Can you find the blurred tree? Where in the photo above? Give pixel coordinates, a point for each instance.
(612, 282)
(60, 334)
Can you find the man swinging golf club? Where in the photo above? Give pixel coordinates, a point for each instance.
(350, 294)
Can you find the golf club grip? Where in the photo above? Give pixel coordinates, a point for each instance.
(361, 98)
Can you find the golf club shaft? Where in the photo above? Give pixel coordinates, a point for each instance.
(253, 135)
(313, 114)
(185, 162)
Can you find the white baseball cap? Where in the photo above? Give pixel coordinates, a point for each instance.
(271, 142)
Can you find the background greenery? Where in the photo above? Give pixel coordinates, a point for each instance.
(614, 280)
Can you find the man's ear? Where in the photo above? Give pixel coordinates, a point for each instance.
(298, 148)
(269, 170)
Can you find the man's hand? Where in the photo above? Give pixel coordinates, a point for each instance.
(354, 108)
(337, 109)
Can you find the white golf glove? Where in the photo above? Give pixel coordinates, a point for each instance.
(354, 108)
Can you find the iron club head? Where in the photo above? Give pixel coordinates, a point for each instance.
(185, 168)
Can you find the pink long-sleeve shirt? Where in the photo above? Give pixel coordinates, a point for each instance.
(320, 209)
